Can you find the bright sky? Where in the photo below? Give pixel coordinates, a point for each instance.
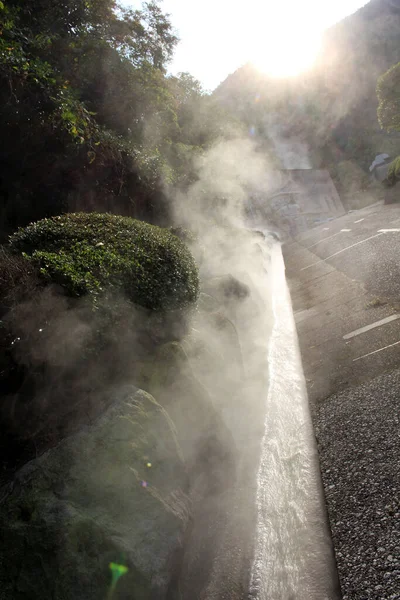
(280, 37)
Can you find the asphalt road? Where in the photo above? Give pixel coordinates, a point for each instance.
(344, 278)
(358, 245)
(345, 289)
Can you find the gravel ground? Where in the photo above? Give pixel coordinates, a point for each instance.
(358, 435)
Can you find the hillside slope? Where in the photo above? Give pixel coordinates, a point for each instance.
(333, 107)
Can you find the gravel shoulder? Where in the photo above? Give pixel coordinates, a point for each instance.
(359, 447)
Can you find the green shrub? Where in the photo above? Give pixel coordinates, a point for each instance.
(186, 235)
(393, 172)
(88, 253)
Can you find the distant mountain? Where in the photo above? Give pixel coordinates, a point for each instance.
(333, 107)
(356, 51)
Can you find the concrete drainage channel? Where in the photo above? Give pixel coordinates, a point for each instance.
(293, 552)
(267, 538)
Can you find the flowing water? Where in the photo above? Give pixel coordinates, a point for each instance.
(264, 536)
(293, 558)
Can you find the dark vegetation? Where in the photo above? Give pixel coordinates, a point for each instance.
(90, 118)
(83, 297)
(393, 172)
(87, 253)
(90, 123)
(388, 90)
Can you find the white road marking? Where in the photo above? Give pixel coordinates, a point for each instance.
(388, 230)
(325, 229)
(305, 314)
(375, 351)
(327, 238)
(371, 326)
(359, 220)
(340, 251)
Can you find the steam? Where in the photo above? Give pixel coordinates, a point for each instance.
(211, 381)
(53, 335)
(228, 175)
(293, 153)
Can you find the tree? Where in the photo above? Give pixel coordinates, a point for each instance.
(91, 119)
(388, 91)
(80, 84)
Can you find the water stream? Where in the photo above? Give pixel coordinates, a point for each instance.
(263, 533)
(293, 557)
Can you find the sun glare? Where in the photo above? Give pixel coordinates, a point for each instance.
(287, 55)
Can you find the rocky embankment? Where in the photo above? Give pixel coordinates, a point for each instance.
(116, 492)
(139, 498)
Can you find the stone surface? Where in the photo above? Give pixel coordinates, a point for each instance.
(206, 443)
(114, 492)
(226, 288)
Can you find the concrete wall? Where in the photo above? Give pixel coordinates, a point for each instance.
(297, 200)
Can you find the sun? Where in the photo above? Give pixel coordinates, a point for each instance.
(286, 55)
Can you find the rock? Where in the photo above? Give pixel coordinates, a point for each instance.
(207, 444)
(214, 351)
(207, 303)
(113, 493)
(226, 288)
(211, 455)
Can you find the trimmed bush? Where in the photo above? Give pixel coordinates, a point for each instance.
(88, 253)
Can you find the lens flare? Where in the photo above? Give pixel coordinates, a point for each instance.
(117, 571)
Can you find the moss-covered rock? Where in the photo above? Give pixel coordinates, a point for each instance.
(113, 493)
(207, 445)
(89, 252)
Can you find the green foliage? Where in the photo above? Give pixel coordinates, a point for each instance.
(388, 91)
(86, 108)
(351, 177)
(89, 253)
(91, 118)
(393, 175)
(146, 35)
